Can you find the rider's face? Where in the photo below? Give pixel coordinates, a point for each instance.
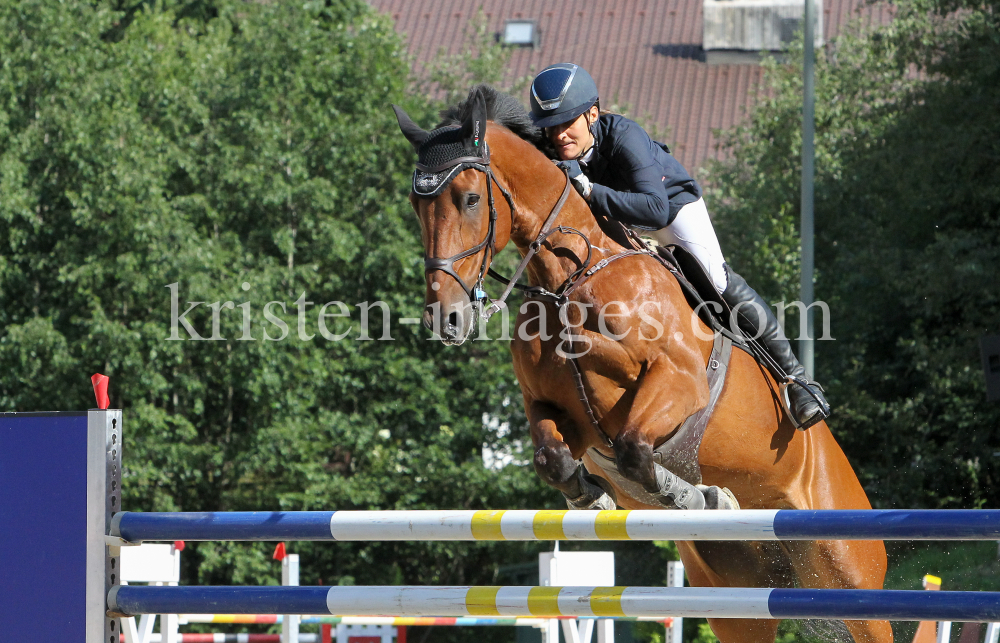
(573, 138)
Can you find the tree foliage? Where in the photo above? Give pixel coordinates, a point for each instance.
(907, 222)
(241, 153)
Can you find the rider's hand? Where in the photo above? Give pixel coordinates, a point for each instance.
(576, 175)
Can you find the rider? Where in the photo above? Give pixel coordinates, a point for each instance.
(625, 175)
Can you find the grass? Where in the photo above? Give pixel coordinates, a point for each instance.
(962, 566)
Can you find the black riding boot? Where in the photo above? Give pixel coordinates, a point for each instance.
(806, 403)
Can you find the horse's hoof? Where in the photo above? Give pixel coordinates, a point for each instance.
(719, 498)
(602, 503)
(597, 494)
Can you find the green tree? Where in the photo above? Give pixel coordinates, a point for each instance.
(236, 154)
(907, 213)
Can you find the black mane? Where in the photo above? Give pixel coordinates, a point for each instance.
(500, 108)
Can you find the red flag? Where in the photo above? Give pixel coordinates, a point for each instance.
(279, 552)
(101, 390)
(179, 545)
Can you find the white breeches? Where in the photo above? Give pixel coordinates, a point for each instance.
(692, 230)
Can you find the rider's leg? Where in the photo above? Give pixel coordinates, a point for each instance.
(634, 461)
(755, 318)
(692, 229)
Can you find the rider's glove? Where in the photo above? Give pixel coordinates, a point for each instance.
(576, 175)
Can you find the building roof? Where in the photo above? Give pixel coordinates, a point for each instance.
(645, 54)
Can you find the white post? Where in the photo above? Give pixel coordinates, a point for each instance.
(570, 631)
(550, 632)
(675, 578)
(992, 633)
(131, 633)
(547, 566)
(145, 633)
(606, 630)
(944, 631)
(584, 568)
(341, 633)
(290, 622)
(169, 628)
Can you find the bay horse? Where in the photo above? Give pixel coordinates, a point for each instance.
(642, 369)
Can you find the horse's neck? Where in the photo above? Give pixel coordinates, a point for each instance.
(537, 185)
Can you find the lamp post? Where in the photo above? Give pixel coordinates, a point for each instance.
(806, 347)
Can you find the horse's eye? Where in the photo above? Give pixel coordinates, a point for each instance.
(471, 200)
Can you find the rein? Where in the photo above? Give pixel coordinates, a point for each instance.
(560, 298)
(476, 294)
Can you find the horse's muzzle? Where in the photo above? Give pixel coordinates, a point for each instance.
(452, 327)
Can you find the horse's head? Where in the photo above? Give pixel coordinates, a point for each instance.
(453, 197)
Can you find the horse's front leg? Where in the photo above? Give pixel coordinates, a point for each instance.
(555, 464)
(659, 407)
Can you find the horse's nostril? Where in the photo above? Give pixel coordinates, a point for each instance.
(454, 320)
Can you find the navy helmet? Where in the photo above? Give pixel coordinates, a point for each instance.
(560, 93)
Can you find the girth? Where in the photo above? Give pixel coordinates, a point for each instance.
(679, 454)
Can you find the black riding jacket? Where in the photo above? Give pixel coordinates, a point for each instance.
(636, 180)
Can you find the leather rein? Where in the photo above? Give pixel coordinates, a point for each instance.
(560, 297)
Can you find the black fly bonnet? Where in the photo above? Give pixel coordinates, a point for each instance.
(444, 154)
(441, 155)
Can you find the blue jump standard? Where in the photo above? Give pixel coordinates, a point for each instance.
(889, 524)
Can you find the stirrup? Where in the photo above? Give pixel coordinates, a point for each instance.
(807, 386)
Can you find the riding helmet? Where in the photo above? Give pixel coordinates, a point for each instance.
(560, 93)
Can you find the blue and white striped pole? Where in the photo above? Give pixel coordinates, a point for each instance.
(696, 602)
(891, 524)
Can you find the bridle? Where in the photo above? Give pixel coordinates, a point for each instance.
(477, 294)
(560, 297)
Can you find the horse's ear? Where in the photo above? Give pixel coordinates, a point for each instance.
(413, 133)
(474, 127)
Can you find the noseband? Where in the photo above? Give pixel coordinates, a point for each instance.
(444, 175)
(438, 178)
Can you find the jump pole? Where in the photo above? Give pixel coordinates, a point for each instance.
(425, 621)
(751, 524)
(549, 602)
